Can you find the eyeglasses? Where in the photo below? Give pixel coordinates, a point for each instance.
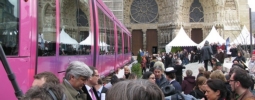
(96, 75)
(231, 80)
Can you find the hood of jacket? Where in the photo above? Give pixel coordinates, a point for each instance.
(190, 79)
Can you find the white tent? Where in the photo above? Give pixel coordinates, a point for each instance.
(66, 39)
(103, 46)
(181, 40)
(213, 37)
(87, 41)
(244, 38)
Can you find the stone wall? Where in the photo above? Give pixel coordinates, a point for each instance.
(228, 16)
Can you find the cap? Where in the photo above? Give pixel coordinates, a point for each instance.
(218, 64)
(170, 69)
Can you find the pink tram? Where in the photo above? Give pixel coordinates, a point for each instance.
(45, 35)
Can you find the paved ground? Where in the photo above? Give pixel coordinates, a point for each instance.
(194, 67)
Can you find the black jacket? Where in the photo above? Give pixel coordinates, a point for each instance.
(178, 69)
(87, 92)
(206, 51)
(104, 90)
(197, 94)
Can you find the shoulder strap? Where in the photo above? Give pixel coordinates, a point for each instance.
(176, 96)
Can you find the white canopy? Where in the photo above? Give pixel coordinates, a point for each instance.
(213, 37)
(104, 46)
(87, 41)
(244, 38)
(181, 40)
(66, 39)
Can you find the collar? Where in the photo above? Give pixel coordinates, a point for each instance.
(72, 91)
(88, 87)
(100, 89)
(241, 96)
(67, 82)
(172, 80)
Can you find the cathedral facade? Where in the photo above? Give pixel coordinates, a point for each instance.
(154, 23)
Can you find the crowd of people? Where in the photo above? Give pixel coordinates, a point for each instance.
(163, 81)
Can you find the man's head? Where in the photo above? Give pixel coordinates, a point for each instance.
(170, 73)
(201, 69)
(126, 70)
(218, 66)
(178, 61)
(135, 90)
(158, 69)
(47, 91)
(77, 73)
(45, 77)
(240, 80)
(94, 79)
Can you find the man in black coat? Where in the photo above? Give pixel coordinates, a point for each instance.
(198, 54)
(88, 88)
(178, 70)
(100, 88)
(206, 53)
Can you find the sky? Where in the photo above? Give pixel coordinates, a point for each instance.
(252, 5)
(250, 2)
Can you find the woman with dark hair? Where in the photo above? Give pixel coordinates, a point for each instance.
(214, 62)
(216, 90)
(239, 58)
(149, 76)
(199, 89)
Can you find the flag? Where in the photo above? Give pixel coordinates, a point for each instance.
(227, 43)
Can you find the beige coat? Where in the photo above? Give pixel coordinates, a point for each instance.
(71, 93)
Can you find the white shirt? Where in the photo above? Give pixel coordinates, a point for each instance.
(108, 85)
(100, 91)
(88, 88)
(228, 51)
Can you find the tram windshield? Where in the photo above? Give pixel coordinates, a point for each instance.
(9, 26)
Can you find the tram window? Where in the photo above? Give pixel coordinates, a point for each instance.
(9, 26)
(130, 47)
(119, 41)
(110, 36)
(125, 43)
(46, 37)
(75, 36)
(102, 33)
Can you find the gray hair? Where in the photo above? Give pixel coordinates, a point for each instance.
(77, 69)
(134, 90)
(179, 61)
(159, 65)
(189, 72)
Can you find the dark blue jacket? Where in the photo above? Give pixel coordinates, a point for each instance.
(176, 85)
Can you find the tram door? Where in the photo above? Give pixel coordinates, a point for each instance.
(137, 41)
(197, 35)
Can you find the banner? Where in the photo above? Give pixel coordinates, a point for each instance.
(227, 43)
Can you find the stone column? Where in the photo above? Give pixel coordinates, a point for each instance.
(144, 40)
